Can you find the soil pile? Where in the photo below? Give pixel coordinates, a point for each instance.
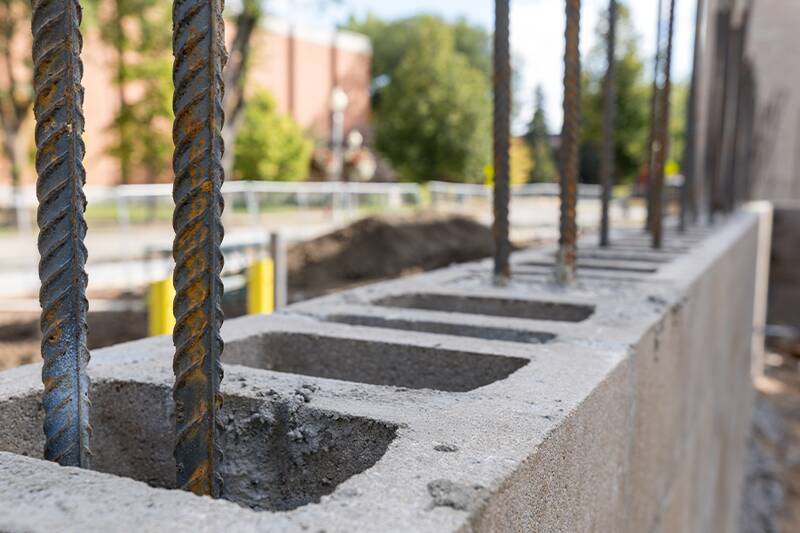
(383, 248)
(372, 249)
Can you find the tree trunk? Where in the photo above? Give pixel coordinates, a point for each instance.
(234, 100)
(10, 136)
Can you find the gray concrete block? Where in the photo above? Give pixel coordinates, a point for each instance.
(438, 402)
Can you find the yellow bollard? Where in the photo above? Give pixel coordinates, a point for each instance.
(260, 287)
(160, 316)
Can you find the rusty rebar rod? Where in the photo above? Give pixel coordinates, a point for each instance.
(652, 145)
(716, 99)
(689, 188)
(607, 160)
(57, 73)
(199, 50)
(567, 254)
(663, 136)
(501, 145)
(730, 116)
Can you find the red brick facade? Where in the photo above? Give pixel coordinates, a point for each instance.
(299, 66)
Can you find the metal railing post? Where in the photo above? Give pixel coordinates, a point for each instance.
(199, 50)
(277, 247)
(57, 72)
(663, 137)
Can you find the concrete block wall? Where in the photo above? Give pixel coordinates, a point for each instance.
(438, 403)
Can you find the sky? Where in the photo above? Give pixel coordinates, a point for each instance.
(537, 34)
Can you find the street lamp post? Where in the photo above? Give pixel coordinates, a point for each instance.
(338, 103)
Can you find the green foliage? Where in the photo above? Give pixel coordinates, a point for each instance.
(434, 121)
(432, 97)
(136, 29)
(270, 146)
(544, 167)
(633, 102)
(391, 41)
(16, 88)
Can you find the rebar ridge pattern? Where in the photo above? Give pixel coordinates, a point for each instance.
(502, 133)
(565, 268)
(199, 50)
(57, 73)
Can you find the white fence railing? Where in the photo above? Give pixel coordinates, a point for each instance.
(252, 196)
(445, 190)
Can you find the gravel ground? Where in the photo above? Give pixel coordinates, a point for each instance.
(772, 491)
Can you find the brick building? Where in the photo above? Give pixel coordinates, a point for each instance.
(300, 66)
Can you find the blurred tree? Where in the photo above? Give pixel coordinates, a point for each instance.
(270, 146)
(521, 161)
(245, 22)
(143, 80)
(434, 119)
(391, 40)
(16, 85)
(632, 103)
(544, 167)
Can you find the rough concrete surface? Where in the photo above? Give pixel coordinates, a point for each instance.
(620, 403)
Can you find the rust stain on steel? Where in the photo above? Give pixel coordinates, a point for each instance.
(663, 137)
(57, 73)
(566, 267)
(502, 133)
(199, 50)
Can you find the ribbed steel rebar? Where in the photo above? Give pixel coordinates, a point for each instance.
(688, 190)
(567, 255)
(715, 107)
(652, 146)
(730, 117)
(199, 49)
(663, 137)
(607, 163)
(57, 73)
(502, 134)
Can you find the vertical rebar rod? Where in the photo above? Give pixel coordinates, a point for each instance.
(57, 73)
(199, 50)
(663, 136)
(745, 143)
(730, 116)
(689, 188)
(715, 109)
(502, 134)
(738, 165)
(570, 137)
(653, 134)
(607, 163)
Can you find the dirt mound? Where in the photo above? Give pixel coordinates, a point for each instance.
(372, 249)
(384, 247)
